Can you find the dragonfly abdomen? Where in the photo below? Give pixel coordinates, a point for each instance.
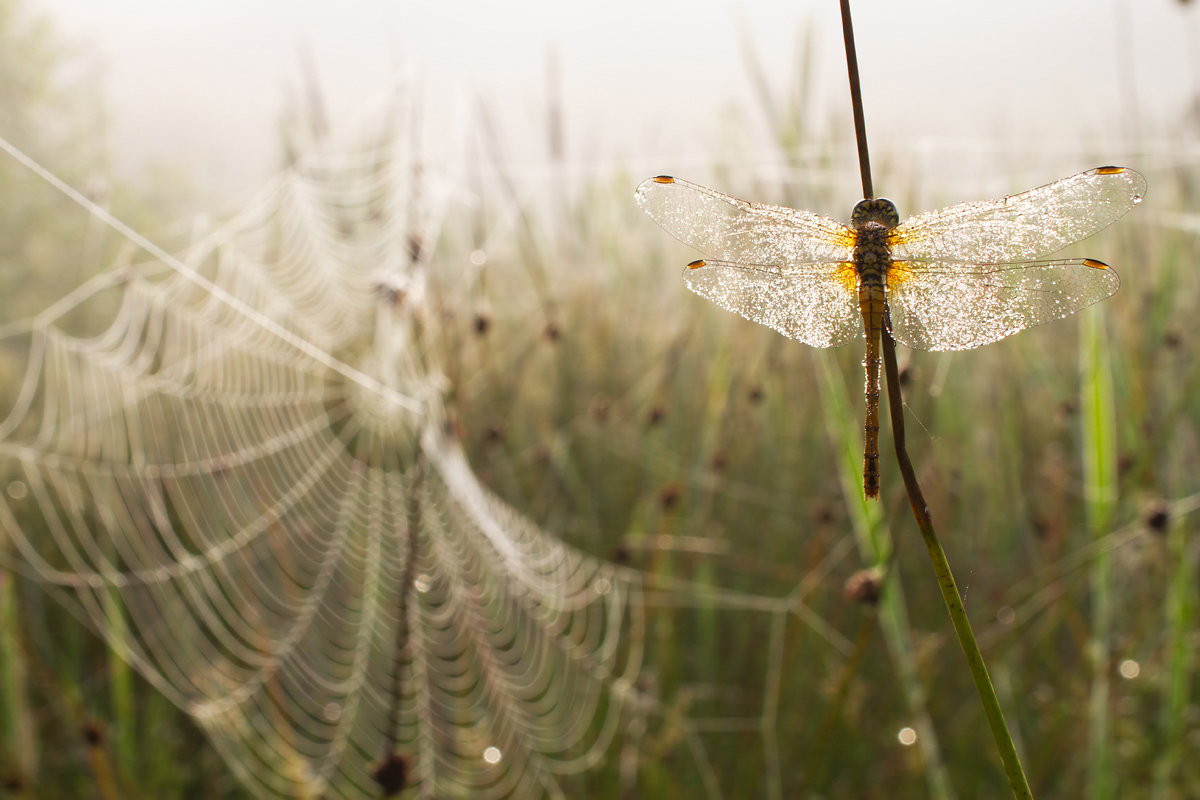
(871, 259)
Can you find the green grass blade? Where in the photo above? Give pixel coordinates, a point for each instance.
(17, 729)
(1180, 613)
(1098, 421)
(874, 540)
(845, 431)
(120, 689)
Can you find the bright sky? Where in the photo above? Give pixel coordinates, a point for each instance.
(199, 83)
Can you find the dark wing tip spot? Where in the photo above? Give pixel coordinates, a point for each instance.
(1094, 264)
(663, 179)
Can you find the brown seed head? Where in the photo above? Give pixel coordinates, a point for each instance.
(669, 495)
(93, 733)
(658, 412)
(864, 586)
(1158, 517)
(392, 774)
(494, 432)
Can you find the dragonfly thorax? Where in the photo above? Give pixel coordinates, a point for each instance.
(879, 210)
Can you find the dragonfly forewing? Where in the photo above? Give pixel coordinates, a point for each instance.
(951, 279)
(727, 229)
(816, 303)
(1025, 226)
(946, 305)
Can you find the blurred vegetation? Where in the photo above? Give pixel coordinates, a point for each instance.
(647, 426)
(74, 720)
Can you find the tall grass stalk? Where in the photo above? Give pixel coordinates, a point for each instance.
(16, 720)
(1180, 613)
(120, 688)
(1098, 421)
(874, 539)
(945, 578)
(916, 499)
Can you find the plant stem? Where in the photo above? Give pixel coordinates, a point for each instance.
(874, 540)
(1098, 421)
(849, 668)
(941, 568)
(860, 123)
(1180, 610)
(17, 726)
(945, 579)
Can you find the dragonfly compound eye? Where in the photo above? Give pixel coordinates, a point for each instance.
(879, 210)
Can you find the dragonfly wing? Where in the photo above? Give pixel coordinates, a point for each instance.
(815, 303)
(728, 229)
(1024, 226)
(943, 305)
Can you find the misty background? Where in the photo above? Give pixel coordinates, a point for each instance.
(199, 84)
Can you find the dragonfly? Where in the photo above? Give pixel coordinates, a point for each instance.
(951, 279)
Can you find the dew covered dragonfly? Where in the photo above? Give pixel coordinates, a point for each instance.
(951, 279)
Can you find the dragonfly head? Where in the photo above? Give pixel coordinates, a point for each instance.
(878, 210)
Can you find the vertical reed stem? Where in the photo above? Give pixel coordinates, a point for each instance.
(945, 579)
(874, 540)
(120, 685)
(17, 728)
(1098, 422)
(941, 568)
(860, 122)
(392, 773)
(1180, 612)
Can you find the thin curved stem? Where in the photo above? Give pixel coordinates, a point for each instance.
(937, 556)
(945, 579)
(860, 121)
(393, 771)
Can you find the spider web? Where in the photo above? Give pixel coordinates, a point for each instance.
(246, 484)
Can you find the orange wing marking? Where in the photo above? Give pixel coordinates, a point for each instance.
(898, 273)
(847, 276)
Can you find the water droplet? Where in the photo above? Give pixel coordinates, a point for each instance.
(602, 586)
(479, 258)
(492, 755)
(1129, 669)
(17, 490)
(1006, 616)
(907, 736)
(422, 583)
(332, 712)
